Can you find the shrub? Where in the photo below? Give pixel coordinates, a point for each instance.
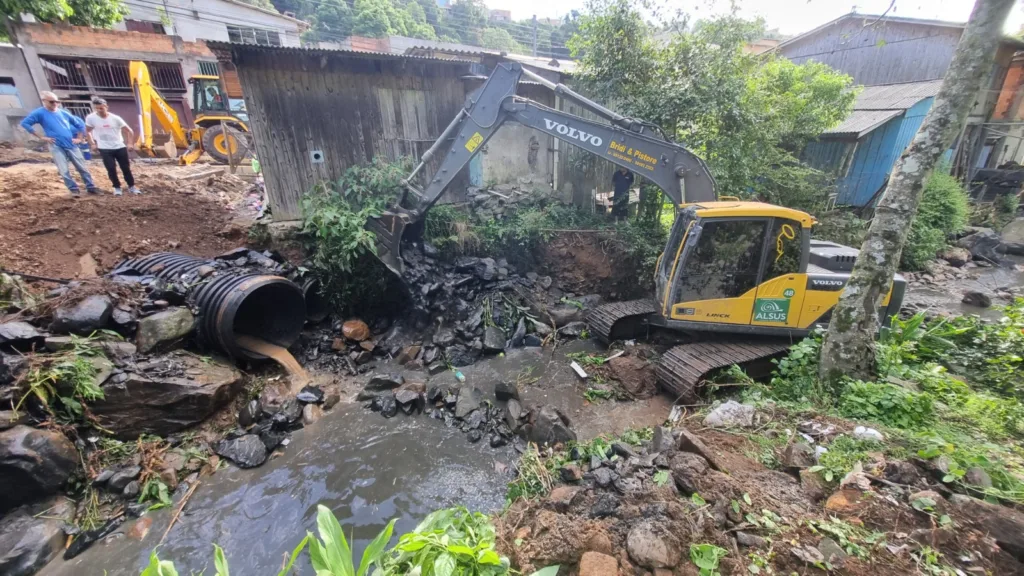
(795, 377)
(942, 213)
(888, 404)
(842, 227)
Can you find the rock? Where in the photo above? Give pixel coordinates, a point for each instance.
(164, 330)
(864, 433)
(662, 440)
(497, 440)
(117, 350)
(11, 366)
(405, 396)
(246, 451)
(444, 337)
(311, 413)
(749, 540)
(89, 315)
(562, 497)
(798, 456)
(382, 382)
(356, 330)
(689, 442)
(310, 395)
(513, 412)
(474, 436)
(623, 450)
(19, 334)
(604, 477)
(33, 463)
(976, 298)
(119, 479)
(606, 504)
(545, 282)
(386, 405)
(8, 419)
(331, 400)
(732, 414)
(163, 405)
(845, 501)
(33, 535)
(494, 339)
(688, 469)
(541, 329)
(833, 552)
(977, 477)
(956, 256)
(813, 485)
(517, 337)
(132, 489)
(902, 472)
(408, 354)
(505, 391)
(598, 564)
(652, 547)
(983, 244)
(573, 329)
(469, 399)
(272, 439)
(570, 473)
(532, 341)
(599, 542)
(436, 368)
(1004, 524)
(549, 425)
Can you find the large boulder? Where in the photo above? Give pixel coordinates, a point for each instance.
(33, 463)
(31, 536)
(19, 334)
(983, 244)
(1004, 524)
(494, 339)
(955, 255)
(653, 547)
(164, 330)
(548, 425)
(1014, 231)
(247, 451)
(143, 403)
(85, 317)
(731, 414)
(355, 330)
(470, 398)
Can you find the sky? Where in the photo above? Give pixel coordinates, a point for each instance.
(789, 16)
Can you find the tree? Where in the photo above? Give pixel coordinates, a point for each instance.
(100, 13)
(849, 346)
(267, 4)
(499, 39)
(465, 20)
(371, 18)
(332, 21)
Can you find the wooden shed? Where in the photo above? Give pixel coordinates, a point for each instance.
(314, 113)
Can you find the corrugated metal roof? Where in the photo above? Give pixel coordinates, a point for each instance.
(860, 122)
(560, 65)
(215, 45)
(895, 96)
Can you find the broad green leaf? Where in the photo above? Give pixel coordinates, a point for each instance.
(316, 554)
(335, 546)
(219, 561)
(460, 549)
(697, 500)
(375, 548)
(488, 557)
(444, 565)
(746, 498)
(547, 571)
(295, 555)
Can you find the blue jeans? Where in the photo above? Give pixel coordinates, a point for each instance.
(63, 156)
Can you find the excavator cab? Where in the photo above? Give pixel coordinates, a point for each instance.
(207, 95)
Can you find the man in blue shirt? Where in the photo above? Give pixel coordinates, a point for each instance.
(64, 132)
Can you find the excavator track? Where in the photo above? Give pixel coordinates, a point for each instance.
(620, 320)
(681, 370)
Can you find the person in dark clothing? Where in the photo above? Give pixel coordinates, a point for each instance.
(107, 132)
(622, 181)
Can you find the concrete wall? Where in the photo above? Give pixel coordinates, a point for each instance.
(208, 19)
(14, 107)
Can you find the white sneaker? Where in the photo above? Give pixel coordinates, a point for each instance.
(117, 191)
(134, 190)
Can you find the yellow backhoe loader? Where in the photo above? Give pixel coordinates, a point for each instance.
(218, 131)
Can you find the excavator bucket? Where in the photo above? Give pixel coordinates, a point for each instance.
(389, 228)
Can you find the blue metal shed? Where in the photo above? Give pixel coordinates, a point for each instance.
(862, 151)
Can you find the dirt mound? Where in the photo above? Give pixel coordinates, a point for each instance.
(590, 263)
(43, 231)
(11, 155)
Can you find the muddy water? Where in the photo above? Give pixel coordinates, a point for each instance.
(366, 468)
(948, 297)
(297, 374)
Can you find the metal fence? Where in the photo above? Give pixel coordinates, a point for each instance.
(80, 74)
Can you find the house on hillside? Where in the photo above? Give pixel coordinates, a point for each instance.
(221, 20)
(900, 62)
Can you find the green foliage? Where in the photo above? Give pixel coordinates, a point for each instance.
(996, 214)
(662, 477)
(99, 13)
(795, 378)
(448, 542)
(155, 489)
(534, 477)
(942, 213)
(706, 557)
(854, 540)
(69, 379)
(500, 39)
(747, 116)
(886, 403)
(330, 555)
(843, 453)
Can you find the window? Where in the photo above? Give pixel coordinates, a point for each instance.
(209, 68)
(784, 246)
(9, 97)
(240, 35)
(144, 26)
(724, 263)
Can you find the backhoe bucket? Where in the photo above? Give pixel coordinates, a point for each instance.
(389, 229)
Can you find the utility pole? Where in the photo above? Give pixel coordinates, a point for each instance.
(534, 34)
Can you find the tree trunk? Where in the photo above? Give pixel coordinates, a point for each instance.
(849, 345)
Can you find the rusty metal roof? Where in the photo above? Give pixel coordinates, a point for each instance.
(895, 96)
(233, 46)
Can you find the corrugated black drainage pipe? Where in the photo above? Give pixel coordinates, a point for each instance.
(231, 301)
(317, 306)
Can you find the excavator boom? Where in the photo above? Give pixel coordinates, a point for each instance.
(151, 103)
(626, 142)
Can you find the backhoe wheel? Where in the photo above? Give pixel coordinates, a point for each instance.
(216, 142)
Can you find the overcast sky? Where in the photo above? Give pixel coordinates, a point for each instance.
(789, 16)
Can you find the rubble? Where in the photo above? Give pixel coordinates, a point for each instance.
(34, 463)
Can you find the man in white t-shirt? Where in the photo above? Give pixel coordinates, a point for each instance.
(106, 132)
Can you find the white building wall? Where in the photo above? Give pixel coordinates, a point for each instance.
(209, 19)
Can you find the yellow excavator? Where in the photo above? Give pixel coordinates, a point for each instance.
(217, 131)
(739, 281)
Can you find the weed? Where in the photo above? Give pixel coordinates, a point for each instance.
(929, 561)
(68, 379)
(856, 541)
(587, 359)
(595, 394)
(534, 478)
(887, 403)
(259, 234)
(707, 557)
(451, 541)
(155, 489)
(943, 212)
(842, 454)
(662, 477)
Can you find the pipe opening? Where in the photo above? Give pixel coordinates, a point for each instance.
(273, 312)
(317, 305)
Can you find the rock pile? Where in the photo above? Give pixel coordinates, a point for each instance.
(502, 421)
